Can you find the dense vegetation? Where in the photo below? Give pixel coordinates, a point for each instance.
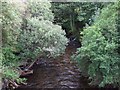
(74, 16)
(27, 37)
(11, 21)
(37, 30)
(99, 55)
(37, 39)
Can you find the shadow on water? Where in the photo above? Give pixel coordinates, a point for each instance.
(60, 73)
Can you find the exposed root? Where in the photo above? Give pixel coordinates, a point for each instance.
(9, 84)
(25, 73)
(13, 84)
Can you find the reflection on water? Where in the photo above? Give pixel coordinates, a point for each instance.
(56, 73)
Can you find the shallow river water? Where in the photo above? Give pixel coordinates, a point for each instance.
(57, 73)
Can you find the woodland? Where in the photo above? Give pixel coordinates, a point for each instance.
(36, 32)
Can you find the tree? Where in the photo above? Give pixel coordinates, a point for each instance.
(29, 36)
(40, 36)
(98, 57)
(11, 23)
(73, 16)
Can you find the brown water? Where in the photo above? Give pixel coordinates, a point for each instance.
(61, 72)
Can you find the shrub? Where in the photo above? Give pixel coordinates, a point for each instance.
(98, 57)
(11, 21)
(8, 58)
(40, 36)
(40, 9)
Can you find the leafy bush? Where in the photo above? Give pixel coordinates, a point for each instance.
(8, 58)
(40, 36)
(11, 21)
(98, 57)
(73, 16)
(9, 73)
(40, 9)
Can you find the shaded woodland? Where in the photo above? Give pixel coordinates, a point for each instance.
(60, 45)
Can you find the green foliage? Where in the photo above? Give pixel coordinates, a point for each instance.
(118, 23)
(9, 73)
(10, 20)
(74, 15)
(9, 64)
(9, 58)
(98, 57)
(40, 9)
(40, 36)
